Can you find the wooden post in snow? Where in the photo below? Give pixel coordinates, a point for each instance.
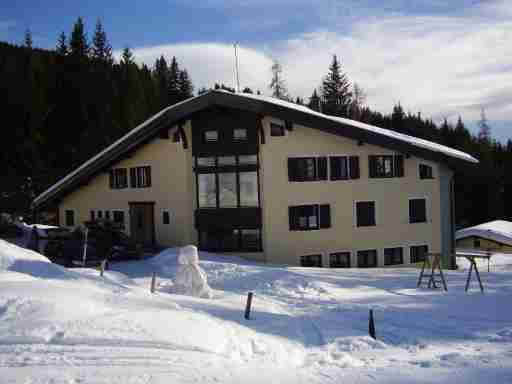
(371, 326)
(153, 283)
(84, 257)
(103, 267)
(248, 306)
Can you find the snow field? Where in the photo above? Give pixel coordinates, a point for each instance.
(308, 325)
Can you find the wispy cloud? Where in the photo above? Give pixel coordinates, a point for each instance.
(441, 65)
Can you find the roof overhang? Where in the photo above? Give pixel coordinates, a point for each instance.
(260, 105)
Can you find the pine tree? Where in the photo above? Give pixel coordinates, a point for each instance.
(277, 84)
(397, 118)
(161, 76)
(336, 95)
(28, 39)
(62, 47)
(314, 102)
(484, 133)
(78, 45)
(186, 89)
(127, 57)
(101, 49)
(173, 87)
(357, 102)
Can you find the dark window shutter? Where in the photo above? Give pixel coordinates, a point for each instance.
(292, 169)
(335, 168)
(325, 216)
(148, 176)
(372, 163)
(112, 178)
(399, 166)
(322, 168)
(354, 167)
(92, 216)
(133, 177)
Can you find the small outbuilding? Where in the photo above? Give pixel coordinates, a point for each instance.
(494, 235)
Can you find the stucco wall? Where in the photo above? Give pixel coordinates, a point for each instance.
(391, 196)
(173, 188)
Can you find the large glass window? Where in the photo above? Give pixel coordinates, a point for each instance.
(228, 240)
(227, 190)
(248, 189)
(207, 190)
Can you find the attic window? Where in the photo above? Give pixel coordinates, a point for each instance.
(425, 171)
(211, 136)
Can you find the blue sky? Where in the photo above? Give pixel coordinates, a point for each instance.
(443, 58)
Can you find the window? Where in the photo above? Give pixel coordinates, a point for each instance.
(276, 129)
(93, 216)
(227, 190)
(367, 259)
(418, 253)
(250, 240)
(311, 261)
(309, 217)
(227, 182)
(307, 168)
(344, 168)
(118, 217)
(339, 260)
(476, 243)
(393, 256)
(365, 213)
(207, 190)
(118, 178)
(386, 166)
(100, 215)
(417, 211)
(249, 189)
(140, 177)
(70, 218)
(211, 136)
(240, 134)
(425, 171)
(228, 240)
(107, 215)
(166, 217)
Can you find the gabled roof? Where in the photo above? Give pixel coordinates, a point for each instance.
(498, 230)
(260, 105)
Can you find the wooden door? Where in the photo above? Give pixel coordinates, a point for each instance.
(142, 222)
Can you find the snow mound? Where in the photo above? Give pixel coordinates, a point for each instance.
(16, 259)
(190, 277)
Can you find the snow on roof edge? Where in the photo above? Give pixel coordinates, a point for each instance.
(497, 230)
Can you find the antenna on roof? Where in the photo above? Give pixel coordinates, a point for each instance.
(237, 80)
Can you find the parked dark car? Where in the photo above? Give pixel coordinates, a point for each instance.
(104, 241)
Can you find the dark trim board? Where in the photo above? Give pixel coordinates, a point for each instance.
(258, 107)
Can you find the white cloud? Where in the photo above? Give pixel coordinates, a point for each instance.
(440, 65)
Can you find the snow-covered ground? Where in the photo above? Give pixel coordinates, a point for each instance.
(307, 326)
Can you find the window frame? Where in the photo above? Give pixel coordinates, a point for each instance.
(320, 255)
(206, 140)
(401, 256)
(376, 221)
(143, 177)
(367, 250)
(340, 252)
(431, 177)
(317, 176)
(394, 170)
(427, 216)
(308, 227)
(114, 178)
(240, 139)
(114, 211)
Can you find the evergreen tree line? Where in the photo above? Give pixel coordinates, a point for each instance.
(62, 106)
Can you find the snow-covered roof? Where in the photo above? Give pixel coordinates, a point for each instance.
(367, 127)
(498, 230)
(255, 103)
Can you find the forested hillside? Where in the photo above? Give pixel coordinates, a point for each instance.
(59, 107)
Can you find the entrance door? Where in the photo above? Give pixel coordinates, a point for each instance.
(142, 223)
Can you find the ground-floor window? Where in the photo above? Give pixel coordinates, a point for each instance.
(231, 240)
(393, 256)
(418, 253)
(311, 261)
(339, 260)
(70, 218)
(367, 258)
